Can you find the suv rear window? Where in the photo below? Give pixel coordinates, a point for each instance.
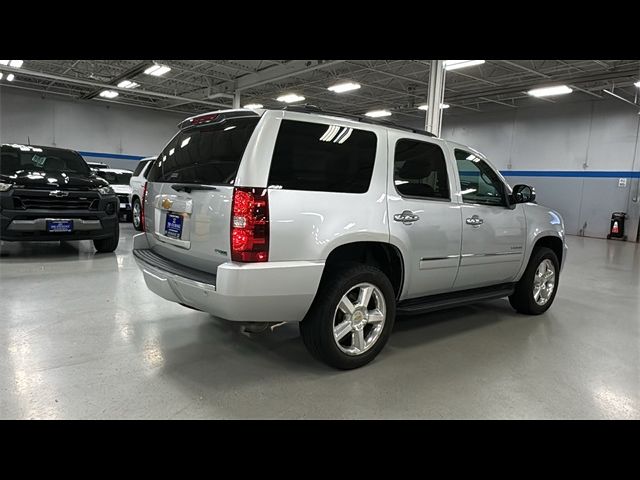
(139, 168)
(209, 154)
(115, 178)
(321, 157)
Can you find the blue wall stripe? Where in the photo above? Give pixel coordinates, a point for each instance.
(506, 173)
(118, 156)
(569, 173)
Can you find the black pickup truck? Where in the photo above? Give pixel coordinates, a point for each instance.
(51, 194)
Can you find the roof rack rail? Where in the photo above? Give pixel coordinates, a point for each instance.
(307, 108)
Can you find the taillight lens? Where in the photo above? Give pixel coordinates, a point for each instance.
(142, 202)
(250, 225)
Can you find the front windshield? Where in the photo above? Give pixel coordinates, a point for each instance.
(24, 158)
(115, 178)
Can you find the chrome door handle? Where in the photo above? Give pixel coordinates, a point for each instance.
(407, 217)
(475, 220)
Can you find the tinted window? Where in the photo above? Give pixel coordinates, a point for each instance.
(320, 157)
(479, 182)
(139, 168)
(29, 158)
(115, 178)
(420, 170)
(209, 154)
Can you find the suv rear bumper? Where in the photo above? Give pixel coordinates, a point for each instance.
(250, 292)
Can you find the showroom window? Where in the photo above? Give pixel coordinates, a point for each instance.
(479, 182)
(209, 155)
(321, 157)
(420, 170)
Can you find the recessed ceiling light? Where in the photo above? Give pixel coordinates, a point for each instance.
(16, 63)
(550, 91)
(157, 70)
(128, 84)
(344, 87)
(426, 107)
(637, 84)
(378, 113)
(4, 62)
(109, 94)
(290, 98)
(252, 106)
(455, 64)
(10, 77)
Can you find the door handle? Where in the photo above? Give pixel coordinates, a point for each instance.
(407, 217)
(475, 220)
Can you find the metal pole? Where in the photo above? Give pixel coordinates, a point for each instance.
(433, 122)
(236, 100)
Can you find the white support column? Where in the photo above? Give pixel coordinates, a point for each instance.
(433, 122)
(236, 100)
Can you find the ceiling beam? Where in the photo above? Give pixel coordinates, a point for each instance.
(280, 72)
(137, 91)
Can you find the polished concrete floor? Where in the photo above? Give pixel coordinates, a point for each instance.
(82, 337)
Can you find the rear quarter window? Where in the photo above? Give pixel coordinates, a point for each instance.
(324, 158)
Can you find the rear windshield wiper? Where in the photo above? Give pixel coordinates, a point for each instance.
(188, 187)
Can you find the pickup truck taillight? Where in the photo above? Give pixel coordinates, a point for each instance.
(250, 225)
(142, 202)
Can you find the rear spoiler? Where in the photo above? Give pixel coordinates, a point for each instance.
(216, 117)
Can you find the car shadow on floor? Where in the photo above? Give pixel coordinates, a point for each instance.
(19, 252)
(223, 357)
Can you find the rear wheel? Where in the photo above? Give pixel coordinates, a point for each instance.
(537, 288)
(136, 213)
(107, 245)
(351, 318)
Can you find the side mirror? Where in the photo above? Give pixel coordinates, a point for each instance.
(523, 194)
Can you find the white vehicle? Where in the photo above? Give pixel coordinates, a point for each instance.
(119, 181)
(138, 179)
(338, 222)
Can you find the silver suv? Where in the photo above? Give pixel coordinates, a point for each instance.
(338, 223)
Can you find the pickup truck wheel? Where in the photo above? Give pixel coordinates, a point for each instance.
(108, 245)
(537, 288)
(136, 210)
(351, 318)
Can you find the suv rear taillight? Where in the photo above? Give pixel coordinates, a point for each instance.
(250, 225)
(142, 202)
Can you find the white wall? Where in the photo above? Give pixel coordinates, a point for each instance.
(89, 125)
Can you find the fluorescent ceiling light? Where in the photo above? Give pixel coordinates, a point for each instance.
(128, 84)
(157, 70)
(549, 91)
(109, 94)
(0, 75)
(4, 62)
(455, 64)
(426, 107)
(10, 77)
(378, 113)
(290, 98)
(16, 63)
(637, 84)
(344, 87)
(253, 105)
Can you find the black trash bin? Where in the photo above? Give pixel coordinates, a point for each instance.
(616, 230)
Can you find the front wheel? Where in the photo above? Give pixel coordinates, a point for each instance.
(351, 318)
(136, 213)
(537, 288)
(108, 245)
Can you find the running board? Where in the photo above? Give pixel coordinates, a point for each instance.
(417, 306)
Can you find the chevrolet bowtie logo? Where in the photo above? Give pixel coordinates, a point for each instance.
(167, 203)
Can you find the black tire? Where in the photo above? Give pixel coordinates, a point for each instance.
(317, 327)
(136, 202)
(108, 245)
(522, 299)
